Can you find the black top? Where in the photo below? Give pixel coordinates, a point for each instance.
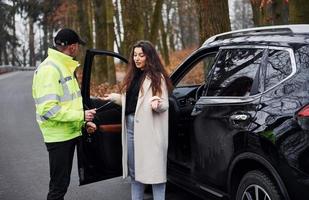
(132, 93)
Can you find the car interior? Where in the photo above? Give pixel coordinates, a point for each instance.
(181, 103)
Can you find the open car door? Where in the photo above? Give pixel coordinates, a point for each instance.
(100, 155)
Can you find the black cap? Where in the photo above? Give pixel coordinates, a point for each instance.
(67, 36)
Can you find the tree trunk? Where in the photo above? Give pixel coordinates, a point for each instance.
(84, 17)
(14, 40)
(47, 23)
(14, 44)
(110, 38)
(71, 19)
(209, 22)
(155, 22)
(182, 24)
(50, 38)
(85, 21)
(188, 23)
(132, 23)
(298, 12)
(31, 43)
(273, 12)
(164, 43)
(170, 30)
(24, 52)
(147, 10)
(257, 12)
(6, 57)
(279, 12)
(45, 37)
(118, 38)
(100, 69)
(243, 17)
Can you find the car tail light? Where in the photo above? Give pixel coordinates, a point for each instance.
(303, 117)
(304, 112)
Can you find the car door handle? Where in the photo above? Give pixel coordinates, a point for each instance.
(239, 117)
(240, 120)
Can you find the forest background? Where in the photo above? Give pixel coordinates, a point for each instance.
(175, 27)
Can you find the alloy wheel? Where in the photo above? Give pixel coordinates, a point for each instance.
(255, 192)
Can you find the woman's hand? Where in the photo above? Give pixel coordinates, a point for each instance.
(155, 103)
(113, 97)
(91, 127)
(106, 97)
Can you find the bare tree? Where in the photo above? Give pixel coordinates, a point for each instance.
(269, 12)
(164, 49)
(32, 9)
(110, 38)
(13, 41)
(243, 15)
(85, 19)
(155, 22)
(188, 23)
(298, 11)
(169, 14)
(118, 25)
(133, 26)
(100, 71)
(209, 22)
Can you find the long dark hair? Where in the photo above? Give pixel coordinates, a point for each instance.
(153, 69)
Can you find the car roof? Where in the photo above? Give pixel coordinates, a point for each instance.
(284, 35)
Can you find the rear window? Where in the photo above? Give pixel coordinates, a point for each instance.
(278, 67)
(302, 60)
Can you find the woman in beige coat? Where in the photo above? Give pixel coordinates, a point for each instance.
(144, 101)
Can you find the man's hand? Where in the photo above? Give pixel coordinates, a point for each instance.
(89, 115)
(91, 127)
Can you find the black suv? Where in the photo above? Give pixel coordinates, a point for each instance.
(239, 118)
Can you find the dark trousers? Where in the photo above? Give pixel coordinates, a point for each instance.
(60, 166)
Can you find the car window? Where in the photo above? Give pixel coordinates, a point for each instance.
(103, 64)
(198, 73)
(234, 72)
(278, 67)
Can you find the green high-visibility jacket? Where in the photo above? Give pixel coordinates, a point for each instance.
(57, 96)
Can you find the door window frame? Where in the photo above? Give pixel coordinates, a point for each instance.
(90, 54)
(258, 78)
(190, 62)
(219, 100)
(293, 65)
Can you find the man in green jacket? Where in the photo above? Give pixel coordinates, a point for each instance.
(59, 108)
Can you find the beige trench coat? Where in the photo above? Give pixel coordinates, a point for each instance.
(150, 135)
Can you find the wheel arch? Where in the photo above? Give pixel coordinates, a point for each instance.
(250, 161)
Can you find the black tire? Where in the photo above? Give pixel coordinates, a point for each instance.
(257, 181)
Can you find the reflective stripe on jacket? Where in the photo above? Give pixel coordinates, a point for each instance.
(58, 101)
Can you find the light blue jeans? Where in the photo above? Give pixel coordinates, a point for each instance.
(137, 188)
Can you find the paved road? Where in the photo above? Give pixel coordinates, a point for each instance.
(23, 157)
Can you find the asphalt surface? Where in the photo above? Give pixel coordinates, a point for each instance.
(24, 159)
